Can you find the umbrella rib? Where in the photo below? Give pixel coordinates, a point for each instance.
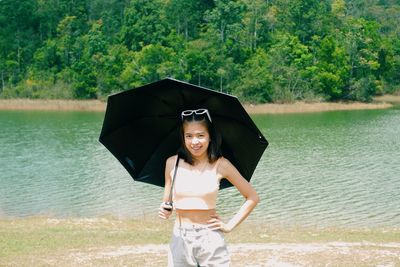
(253, 128)
(159, 144)
(252, 125)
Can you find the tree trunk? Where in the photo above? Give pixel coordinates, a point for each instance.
(199, 79)
(18, 51)
(186, 30)
(2, 81)
(178, 27)
(222, 32)
(255, 34)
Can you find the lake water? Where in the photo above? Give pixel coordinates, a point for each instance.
(322, 169)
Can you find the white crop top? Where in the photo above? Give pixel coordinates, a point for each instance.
(194, 189)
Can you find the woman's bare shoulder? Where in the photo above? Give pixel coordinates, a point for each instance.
(172, 158)
(169, 166)
(170, 162)
(224, 165)
(222, 161)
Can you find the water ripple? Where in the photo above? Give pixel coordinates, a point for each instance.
(325, 169)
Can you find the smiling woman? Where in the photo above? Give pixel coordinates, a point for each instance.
(198, 232)
(199, 136)
(196, 138)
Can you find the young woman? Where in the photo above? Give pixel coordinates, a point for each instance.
(198, 231)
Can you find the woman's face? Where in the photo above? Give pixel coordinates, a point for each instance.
(197, 138)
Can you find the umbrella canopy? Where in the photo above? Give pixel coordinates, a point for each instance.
(141, 128)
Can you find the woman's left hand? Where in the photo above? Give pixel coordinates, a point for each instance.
(217, 224)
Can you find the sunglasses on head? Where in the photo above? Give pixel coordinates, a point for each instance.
(200, 111)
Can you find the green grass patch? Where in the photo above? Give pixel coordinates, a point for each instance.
(44, 235)
(37, 236)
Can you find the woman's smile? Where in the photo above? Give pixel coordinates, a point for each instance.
(197, 138)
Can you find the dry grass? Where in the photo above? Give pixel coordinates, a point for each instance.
(395, 99)
(297, 107)
(52, 104)
(116, 242)
(303, 107)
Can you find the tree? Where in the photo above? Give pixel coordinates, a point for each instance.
(186, 16)
(304, 18)
(68, 31)
(207, 66)
(255, 22)
(330, 73)
(389, 65)
(224, 16)
(361, 40)
(46, 62)
(18, 27)
(110, 68)
(255, 82)
(335, 50)
(143, 24)
(152, 63)
(288, 63)
(111, 13)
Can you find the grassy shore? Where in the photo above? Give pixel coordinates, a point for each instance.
(52, 104)
(42, 241)
(297, 107)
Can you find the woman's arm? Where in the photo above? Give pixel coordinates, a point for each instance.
(227, 170)
(162, 212)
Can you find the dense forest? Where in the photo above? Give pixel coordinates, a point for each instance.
(259, 50)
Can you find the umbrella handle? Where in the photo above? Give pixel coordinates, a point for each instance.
(170, 203)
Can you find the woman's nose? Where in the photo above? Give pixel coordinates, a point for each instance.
(195, 140)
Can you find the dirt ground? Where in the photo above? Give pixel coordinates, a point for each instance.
(266, 254)
(108, 241)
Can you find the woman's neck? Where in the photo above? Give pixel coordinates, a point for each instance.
(200, 160)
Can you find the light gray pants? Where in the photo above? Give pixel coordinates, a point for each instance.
(197, 245)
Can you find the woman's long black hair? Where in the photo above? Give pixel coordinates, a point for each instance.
(214, 147)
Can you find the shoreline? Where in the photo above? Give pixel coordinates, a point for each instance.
(52, 104)
(382, 102)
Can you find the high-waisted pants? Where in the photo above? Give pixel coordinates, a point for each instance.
(197, 245)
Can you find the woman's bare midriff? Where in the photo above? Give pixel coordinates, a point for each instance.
(194, 216)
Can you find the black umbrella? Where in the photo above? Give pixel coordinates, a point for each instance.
(141, 128)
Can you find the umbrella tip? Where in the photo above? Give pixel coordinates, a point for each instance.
(130, 162)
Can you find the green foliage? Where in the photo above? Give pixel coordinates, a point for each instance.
(109, 68)
(331, 71)
(144, 24)
(304, 19)
(207, 64)
(186, 16)
(150, 64)
(255, 80)
(289, 62)
(362, 89)
(262, 51)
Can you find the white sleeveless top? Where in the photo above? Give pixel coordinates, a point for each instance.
(194, 189)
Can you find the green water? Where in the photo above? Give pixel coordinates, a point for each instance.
(321, 169)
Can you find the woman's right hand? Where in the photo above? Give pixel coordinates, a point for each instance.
(163, 213)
